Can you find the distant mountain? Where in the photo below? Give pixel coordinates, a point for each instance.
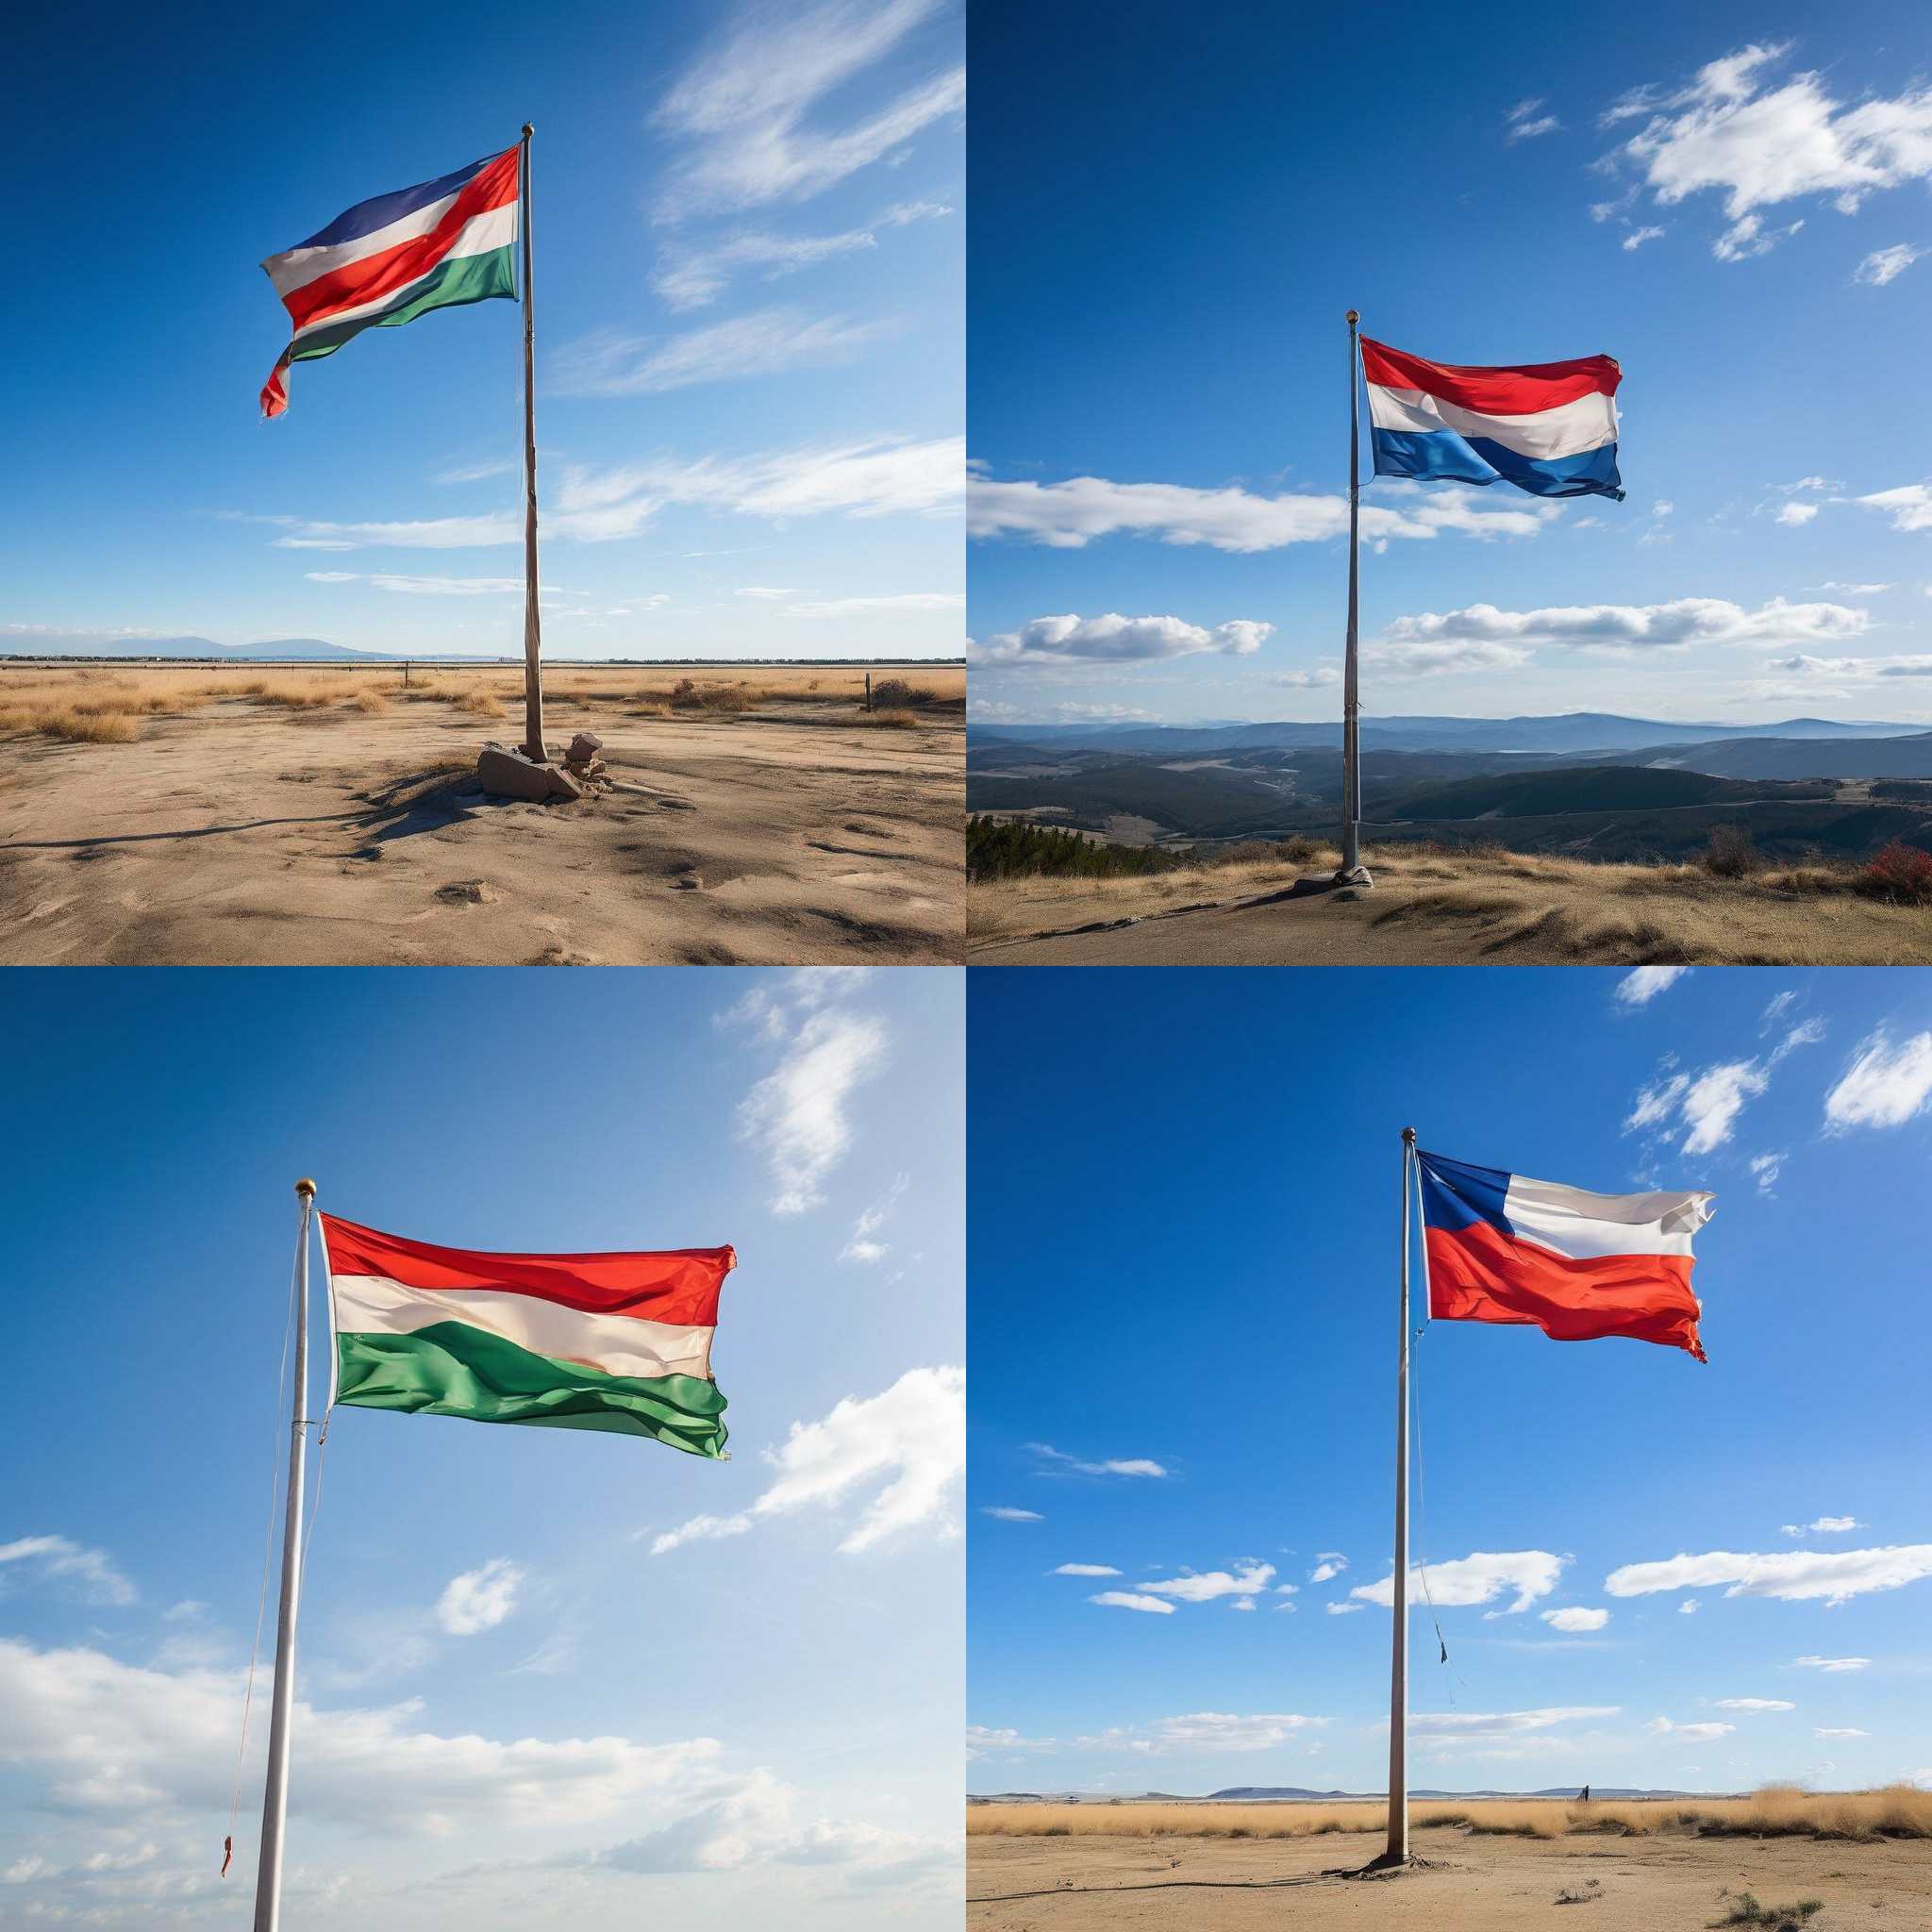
(1280, 1795)
(1573, 731)
(30, 643)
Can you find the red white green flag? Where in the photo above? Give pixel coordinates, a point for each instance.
(392, 258)
(619, 1341)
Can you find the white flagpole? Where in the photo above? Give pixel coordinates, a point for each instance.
(533, 665)
(1397, 1852)
(274, 1796)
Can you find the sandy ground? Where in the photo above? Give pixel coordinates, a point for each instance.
(1438, 910)
(1659, 1884)
(243, 835)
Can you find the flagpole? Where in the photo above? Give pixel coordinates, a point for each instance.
(533, 668)
(1397, 1852)
(1353, 872)
(274, 1796)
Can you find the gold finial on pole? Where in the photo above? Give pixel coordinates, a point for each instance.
(305, 1187)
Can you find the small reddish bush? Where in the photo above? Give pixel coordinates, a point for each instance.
(1899, 873)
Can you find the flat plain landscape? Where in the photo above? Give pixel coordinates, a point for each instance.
(187, 814)
(1860, 1860)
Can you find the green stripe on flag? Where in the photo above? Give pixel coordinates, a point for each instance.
(450, 285)
(450, 1368)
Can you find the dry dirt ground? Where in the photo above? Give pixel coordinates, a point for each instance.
(1470, 1884)
(1435, 909)
(240, 831)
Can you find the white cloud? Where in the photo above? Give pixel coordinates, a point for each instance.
(1128, 1465)
(1735, 130)
(1692, 1733)
(797, 1115)
(690, 276)
(1502, 1733)
(768, 341)
(1909, 506)
(1004, 1512)
(913, 1438)
(752, 112)
(864, 1246)
(1682, 621)
(58, 1559)
(877, 606)
(1656, 1101)
(1823, 1525)
(1329, 1564)
(1881, 266)
(1341, 1610)
(1792, 515)
(118, 1742)
(1765, 1168)
(874, 478)
(1523, 123)
(1755, 1704)
(1688, 1607)
(1069, 515)
(1642, 983)
(1086, 1570)
(1714, 1100)
(1828, 1732)
(1884, 1086)
(1479, 1578)
(1115, 639)
(1838, 1665)
(764, 591)
(1192, 1589)
(1638, 237)
(1795, 1575)
(479, 1599)
(1205, 1730)
(1855, 590)
(1449, 659)
(1317, 678)
(1128, 1600)
(1575, 1619)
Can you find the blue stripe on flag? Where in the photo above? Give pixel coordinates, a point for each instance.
(366, 217)
(1441, 456)
(1456, 1195)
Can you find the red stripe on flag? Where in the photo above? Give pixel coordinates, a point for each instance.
(274, 391)
(1477, 1273)
(1515, 392)
(679, 1286)
(377, 276)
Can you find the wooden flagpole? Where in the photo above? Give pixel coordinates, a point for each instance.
(1353, 872)
(1397, 1852)
(533, 643)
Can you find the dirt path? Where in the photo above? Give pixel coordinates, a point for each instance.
(1471, 1884)
(239, 836)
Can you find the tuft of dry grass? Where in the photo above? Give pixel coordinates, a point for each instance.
(895, 720)
(1775, 1811)
(482, 703)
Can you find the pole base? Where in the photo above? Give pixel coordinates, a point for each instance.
(1355, 875)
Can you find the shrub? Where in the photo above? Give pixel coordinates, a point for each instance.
(1730, 854)
(897, 693)
(1899, 874)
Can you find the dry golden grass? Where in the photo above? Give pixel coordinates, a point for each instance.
(106, 704)
(1775, 1811)
(890, 720)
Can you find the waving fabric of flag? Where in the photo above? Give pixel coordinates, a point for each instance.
(621, 1343)
(393, 259)
(1500, 1247)
(1548, 427)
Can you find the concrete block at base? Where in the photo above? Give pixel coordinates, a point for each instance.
(583, 747)
(507, 774)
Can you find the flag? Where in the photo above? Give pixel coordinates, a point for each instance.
(397, 256)
(573, 1341)
(1548, 427)
(1500, 1247)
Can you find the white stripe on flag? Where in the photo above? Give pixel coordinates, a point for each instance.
(497, 228)
(618, 1344)
(1568, 430)
(1584, 1227)
(295, 268)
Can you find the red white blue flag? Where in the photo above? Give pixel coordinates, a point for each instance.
(1500, 1247)
(1548, 427)
(389, 259)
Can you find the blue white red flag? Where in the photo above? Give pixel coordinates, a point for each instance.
(1548, 427)
(1500, 1247)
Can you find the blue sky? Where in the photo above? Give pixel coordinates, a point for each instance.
(517, 1705)
(1184, 1251)
(1169, 227)
(749, 232)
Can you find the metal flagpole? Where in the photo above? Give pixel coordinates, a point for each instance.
(533, 666)
(1353, 873)
(274, 1796)
(1397, 1852)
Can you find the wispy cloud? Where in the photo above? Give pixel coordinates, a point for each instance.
(1885, 1085)
(1795, 1575)
(60, 1560)
(1642, 983)
(864, 1246)
(1886, 265)
(479, 1599)
(690, 277)
(1132, 1465)
(1116, 639)
(769, 342)
(1480, 1578)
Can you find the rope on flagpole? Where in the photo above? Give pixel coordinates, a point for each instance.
(268, 1543)
(1422, 1510)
